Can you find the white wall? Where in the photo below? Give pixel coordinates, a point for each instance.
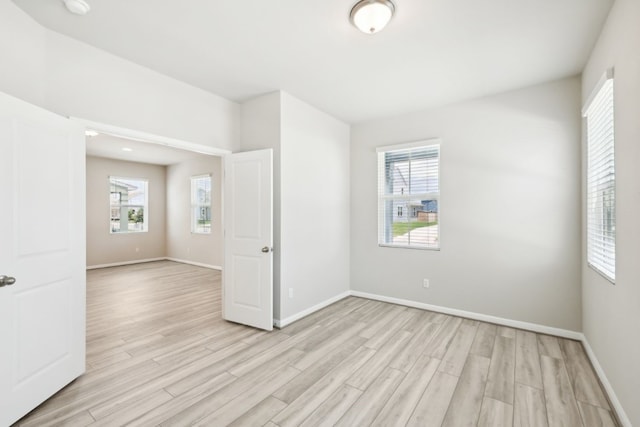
(611, 313)
(315, 206)
(86, 82)
(74, 79)
(260, 128)
(22, 49)
(510, 207)
(182, 244)
(106, 248)
(311, 198)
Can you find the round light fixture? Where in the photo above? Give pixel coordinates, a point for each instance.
(371, 16)
(78, 7)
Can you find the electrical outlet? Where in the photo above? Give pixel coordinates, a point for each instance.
(137, 249)
(425, 283)
(290, 292)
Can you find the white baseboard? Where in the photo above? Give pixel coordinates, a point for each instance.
(289, 320)
(198, 264)
(141, 261)
(534, 327)
(617, 406)
(117, 264)
(564, 333)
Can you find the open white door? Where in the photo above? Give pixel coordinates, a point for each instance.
(247, 275)
(42, 247)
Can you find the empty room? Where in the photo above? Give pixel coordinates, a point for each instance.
(287, 213)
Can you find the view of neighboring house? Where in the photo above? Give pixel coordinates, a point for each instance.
(411, 189)
(128, 200)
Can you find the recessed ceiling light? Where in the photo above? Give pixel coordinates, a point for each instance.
(127, 149)
(90, 132)
(371, 16)
(78, 7)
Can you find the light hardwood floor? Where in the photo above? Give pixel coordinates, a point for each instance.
(158, 353)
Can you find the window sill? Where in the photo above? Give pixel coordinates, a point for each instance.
(602, 273)
(407, 247)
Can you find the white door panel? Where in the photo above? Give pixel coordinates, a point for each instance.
(246, 293)
(245, 178)
(42, 236)
(248, 263)
(40, 169)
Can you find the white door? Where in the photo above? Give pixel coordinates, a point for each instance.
(42, 247)
(247, 275)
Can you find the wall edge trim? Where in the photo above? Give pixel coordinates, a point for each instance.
(281, 323)
(197, 264)
(534, 327)
(613, 398)
(142, 261)
(117, 264)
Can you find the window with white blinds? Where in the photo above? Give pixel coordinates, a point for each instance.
(601, 181)
(201, 204)
(408, 195)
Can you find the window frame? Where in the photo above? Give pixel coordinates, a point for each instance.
(195, 205)
(595, 261)
(145, 207)
(381, 198)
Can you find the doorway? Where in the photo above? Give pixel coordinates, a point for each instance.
(186, 185)
(149, 202)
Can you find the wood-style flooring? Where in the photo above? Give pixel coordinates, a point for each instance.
(158, 353)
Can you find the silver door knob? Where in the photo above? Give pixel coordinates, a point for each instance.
(266, 249)
(7, 281)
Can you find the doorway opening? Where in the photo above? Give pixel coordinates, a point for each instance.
(143, 203)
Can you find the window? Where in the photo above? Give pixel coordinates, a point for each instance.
(601, 180)
(128, 205)
(408, 195)
(201, 204)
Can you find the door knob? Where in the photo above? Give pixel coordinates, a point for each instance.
(266, 249)
(7, 281)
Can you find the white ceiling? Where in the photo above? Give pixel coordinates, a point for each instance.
(433, 52)
(143, 152)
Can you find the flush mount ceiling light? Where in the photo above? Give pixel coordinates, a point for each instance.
(79, 7)
(90, 133)
(371, 16)
(127, 149)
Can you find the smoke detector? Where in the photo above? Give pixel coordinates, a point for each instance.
(78, 7)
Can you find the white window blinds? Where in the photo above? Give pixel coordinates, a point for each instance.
(201, 204)
(601, 181)
(408, 196)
